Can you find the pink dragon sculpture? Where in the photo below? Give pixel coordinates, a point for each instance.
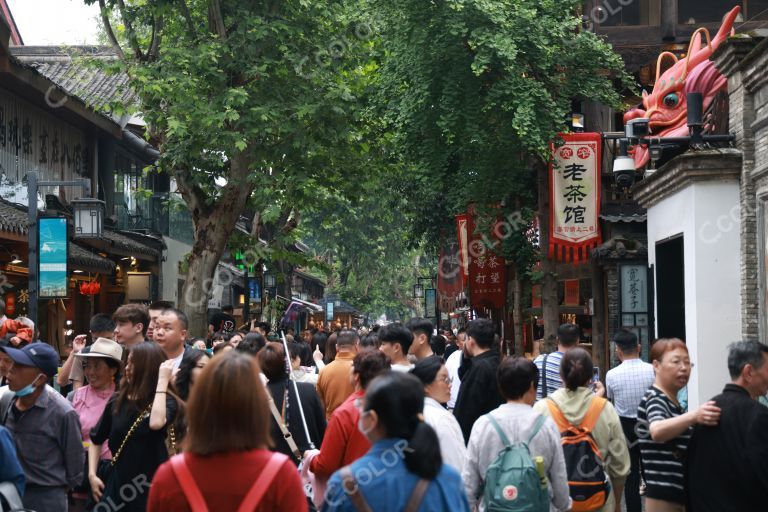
(666, 106)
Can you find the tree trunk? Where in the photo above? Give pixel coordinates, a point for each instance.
(549, 300)
(517, 315)
(212, 224)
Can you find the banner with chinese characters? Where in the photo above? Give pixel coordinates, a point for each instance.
(450, 278)
(463, 234)
(575, 197)
(487, 273)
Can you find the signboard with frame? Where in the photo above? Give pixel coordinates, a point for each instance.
(53, 253)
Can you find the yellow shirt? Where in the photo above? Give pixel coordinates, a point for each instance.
(335, 382)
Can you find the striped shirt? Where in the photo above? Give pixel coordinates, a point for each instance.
(662, 463)
(626, 385)
(554, 382)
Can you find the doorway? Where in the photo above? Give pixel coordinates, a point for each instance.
(670, 288)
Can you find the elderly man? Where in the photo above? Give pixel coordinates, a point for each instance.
(727, 466)
(45, 427)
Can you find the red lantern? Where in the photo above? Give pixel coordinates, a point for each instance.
(90, 288)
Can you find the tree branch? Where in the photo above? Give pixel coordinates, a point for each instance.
(188, 18)
(109, 30)
(216, 19)
(154, 47)
(130, 32)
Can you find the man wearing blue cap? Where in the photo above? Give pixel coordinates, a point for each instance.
(45, 427)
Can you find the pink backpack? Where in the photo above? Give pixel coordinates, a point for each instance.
(252, 498)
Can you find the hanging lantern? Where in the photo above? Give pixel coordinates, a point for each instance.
(90, 287)
(10, 304)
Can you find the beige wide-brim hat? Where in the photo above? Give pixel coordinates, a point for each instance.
(104, 347)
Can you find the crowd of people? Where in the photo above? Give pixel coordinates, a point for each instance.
(399, 417)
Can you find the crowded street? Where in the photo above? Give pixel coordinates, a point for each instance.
(383, 255)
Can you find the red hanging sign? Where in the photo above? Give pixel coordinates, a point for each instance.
(536, 296)
(574, 201)
(487, 271)
(463, 234)
(450, 278)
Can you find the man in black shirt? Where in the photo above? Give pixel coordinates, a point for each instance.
(222, 321)
(727, 465)
(479, 391)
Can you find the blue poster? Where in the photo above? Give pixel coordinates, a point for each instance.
(53, 257)
(329, 311)
(254, 285)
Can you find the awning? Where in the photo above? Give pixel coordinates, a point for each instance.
(82, 259)
(307, 305)
(115, 243)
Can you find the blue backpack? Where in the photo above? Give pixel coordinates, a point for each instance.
(512, 482)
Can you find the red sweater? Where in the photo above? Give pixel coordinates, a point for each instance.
(343, 443)
(224, 479)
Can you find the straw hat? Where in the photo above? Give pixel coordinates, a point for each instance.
(104, 347)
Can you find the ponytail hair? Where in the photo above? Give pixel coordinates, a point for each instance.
(398, 399)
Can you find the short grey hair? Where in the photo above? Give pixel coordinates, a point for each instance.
(742, 353)
(346, 338)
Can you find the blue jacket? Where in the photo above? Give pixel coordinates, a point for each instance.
(386, 484)
(10, 468)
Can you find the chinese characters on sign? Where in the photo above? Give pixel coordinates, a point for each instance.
(32, 139)
(634, 292)
(487, 272)
(575, 197)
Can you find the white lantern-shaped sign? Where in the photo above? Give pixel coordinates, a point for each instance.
(89, 217)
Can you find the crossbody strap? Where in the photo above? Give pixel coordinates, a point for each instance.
(133, 428)
(262, 484)
(188, 486)
(286, 433)
(417, 496)
(352, 490)
(544, 390)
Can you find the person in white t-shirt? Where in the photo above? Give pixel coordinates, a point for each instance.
(452, 364)
(395, 341)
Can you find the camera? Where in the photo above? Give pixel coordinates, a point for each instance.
(624, 171)
(638, 128)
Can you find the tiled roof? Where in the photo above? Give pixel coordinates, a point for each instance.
(67, 68)
(13, 219)
(86, 260)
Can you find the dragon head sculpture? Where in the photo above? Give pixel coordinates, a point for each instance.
(665, 106)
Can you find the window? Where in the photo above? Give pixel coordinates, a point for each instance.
(614, 13)
(696, 12)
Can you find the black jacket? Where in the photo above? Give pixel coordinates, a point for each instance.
(314, 412)
(479, 391)
(727, 466)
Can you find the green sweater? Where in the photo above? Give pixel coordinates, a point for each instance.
(607, 432)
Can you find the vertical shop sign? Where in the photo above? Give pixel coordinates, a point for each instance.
(52, 249)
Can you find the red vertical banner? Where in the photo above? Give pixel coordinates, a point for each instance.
(487, 271)
(572, 292)
(463, 234)
(574, 188)
(450, 281)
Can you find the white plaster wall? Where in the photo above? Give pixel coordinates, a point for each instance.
(707, 215)
(174, 253)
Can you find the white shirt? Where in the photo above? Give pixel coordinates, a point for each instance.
(452, 365)
(405, 368)
(626, 385)
(448, 433)
(177, 361)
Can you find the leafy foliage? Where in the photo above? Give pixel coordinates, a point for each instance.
(476, 89)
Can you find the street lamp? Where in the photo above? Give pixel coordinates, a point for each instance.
(89, 217)
(269, 279)
(418, 291)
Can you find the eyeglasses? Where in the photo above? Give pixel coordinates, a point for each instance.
(447, 379)
(682, 364)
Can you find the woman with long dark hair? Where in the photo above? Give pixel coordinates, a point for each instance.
(134, 424)
(404, 456)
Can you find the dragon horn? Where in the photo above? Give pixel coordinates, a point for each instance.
(660, 60)
(696, 54)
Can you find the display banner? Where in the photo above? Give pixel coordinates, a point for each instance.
(574, 188)
(449, 276)
(52, 249)
(487, 271)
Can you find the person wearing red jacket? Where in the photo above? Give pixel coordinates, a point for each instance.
(226, 464)
(343, 443)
